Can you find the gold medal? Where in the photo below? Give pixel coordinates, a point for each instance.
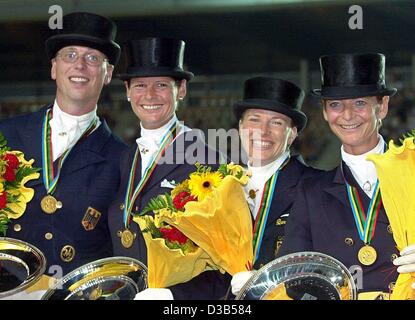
(127, 238)
(49, 204)
(367, 255)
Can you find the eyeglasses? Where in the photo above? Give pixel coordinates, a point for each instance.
(91, 59)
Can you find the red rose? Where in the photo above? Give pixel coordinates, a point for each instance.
(3, 200)
(10, 174)
(173, 234)
(12, 160)
(181, 199)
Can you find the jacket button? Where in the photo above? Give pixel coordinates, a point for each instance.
(17, 227)
(122, 206)
(349, 241)
(389, 229)
(48, 236)
(67, 253)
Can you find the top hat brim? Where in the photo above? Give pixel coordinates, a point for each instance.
(111, 49)
(352, 92)
(156, 72)
(298, 117)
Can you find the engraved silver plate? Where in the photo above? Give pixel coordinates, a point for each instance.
(116, 278)
(21, 265)
(301, 276)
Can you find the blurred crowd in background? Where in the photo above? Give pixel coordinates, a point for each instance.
(209, 102)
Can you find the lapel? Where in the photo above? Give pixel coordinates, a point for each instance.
(88, 151)
(337, 188)
(285, 188)
(31, 137)
(174, 157)
(83, 154)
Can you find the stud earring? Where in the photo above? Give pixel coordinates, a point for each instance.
(128, 99)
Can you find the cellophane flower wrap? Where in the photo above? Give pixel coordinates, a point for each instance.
(396, 172)
(208, 226)
(15, 172)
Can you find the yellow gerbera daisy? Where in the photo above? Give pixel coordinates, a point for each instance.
(201, 184)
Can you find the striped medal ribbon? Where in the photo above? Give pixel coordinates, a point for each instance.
(262, 215)
(50, 179)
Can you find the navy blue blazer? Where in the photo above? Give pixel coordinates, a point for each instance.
(281, 207)
(89, 178)
(209, 284)
(322, 221)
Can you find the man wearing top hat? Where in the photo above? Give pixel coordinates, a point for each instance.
(155, 83)
(78, 154)
(270, 119)
(325, 215)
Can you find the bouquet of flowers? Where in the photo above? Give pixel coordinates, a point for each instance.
(203, 224)
(396, 172)
(15, 172)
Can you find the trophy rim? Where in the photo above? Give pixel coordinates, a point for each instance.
(35, 275)
(91, 266)
(352, 290)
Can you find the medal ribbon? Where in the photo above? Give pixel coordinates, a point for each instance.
(131, 196)
(366, 225)
(50, 181)
(262, 215)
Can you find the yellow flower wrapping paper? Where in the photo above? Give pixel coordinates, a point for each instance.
(396, 173)
(168, 267)
(26, 194)
(220, 224)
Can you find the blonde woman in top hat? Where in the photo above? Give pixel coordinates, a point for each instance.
(69, 222)
(355, 101)
(270, 119)
(155, 83)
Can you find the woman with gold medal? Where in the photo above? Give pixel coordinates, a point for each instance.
(270, 119)
(155, 83)
(340, 213)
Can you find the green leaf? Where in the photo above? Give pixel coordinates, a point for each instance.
(410, 134)
(4, 220)
(155, 204)
(3, 141)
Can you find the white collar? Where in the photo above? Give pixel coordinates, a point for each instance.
(364, 171)
(262, 173)
(360, 159)
(156, 134)
(68, 121)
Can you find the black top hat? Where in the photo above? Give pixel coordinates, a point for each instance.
(151, 57)
(347, 76)
(276, 95)
(86, 29)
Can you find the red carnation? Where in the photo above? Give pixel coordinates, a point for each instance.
(10, 174)
(181, 199)
(3, 200)
(173, 234)
(12, 160)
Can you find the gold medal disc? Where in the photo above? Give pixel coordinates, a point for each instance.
(49, 204)
(127, 238)
(367, 255)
